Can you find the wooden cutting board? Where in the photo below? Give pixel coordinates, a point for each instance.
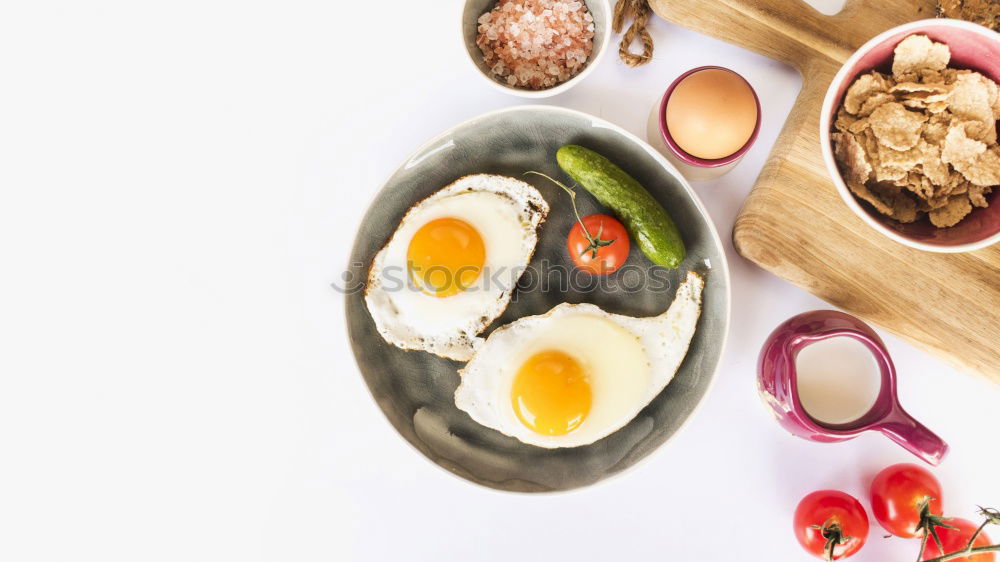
(794, 223)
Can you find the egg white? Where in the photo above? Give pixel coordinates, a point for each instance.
(507, 214)
(629, 362)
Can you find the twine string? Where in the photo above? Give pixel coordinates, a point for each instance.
(638, 11)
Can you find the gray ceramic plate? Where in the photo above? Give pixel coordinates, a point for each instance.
(415, 389)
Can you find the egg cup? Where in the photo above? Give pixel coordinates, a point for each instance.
(694, 168)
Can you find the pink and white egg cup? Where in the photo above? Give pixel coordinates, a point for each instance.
(694, 168)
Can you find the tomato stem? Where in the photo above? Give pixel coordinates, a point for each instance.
(594, 243)
(966, 553)
(923, 547)
(834, 536)
(976, 534)
(992, 516)
(928, 525)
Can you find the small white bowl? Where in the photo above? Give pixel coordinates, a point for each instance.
(972, 46)
(599, 9)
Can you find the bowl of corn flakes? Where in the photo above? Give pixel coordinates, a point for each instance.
(909, 134)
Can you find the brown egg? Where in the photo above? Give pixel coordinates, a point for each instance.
(711, 114)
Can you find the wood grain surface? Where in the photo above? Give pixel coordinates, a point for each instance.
(794, 223)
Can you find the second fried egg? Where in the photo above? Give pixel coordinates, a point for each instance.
(577, 373)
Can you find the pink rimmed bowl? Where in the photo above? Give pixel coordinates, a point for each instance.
(973, 47)
(694, 168)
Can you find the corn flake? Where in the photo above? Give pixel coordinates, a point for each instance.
(983, 170)
(977, 195)
(916, 53)
(851, 156)
(863, 88)
(958, 147)
(897, 127)
(953, 211)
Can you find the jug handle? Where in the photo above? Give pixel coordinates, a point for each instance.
(913, 436)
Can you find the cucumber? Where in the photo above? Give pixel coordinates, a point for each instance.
(646, 220)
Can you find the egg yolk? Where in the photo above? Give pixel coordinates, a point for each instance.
(551, 393)
(445, 257)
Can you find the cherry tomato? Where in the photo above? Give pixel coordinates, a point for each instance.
(897, 495)
(954, 540)
(831, 517)
(602, 248)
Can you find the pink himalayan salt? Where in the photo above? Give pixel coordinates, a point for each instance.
(536, 44)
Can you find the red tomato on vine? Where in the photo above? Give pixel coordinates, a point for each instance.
(598, 244)
(954, 540)
(831, 524)
(902, 496)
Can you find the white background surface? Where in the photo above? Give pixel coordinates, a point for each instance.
(181, 182)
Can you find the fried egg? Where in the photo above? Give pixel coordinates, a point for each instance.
(576, 373)
(451, 265)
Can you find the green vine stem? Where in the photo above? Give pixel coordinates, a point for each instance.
(834, 535)
(923, 547)
(930, 522)
(975, 535)
(594, 242)
(965, 553)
